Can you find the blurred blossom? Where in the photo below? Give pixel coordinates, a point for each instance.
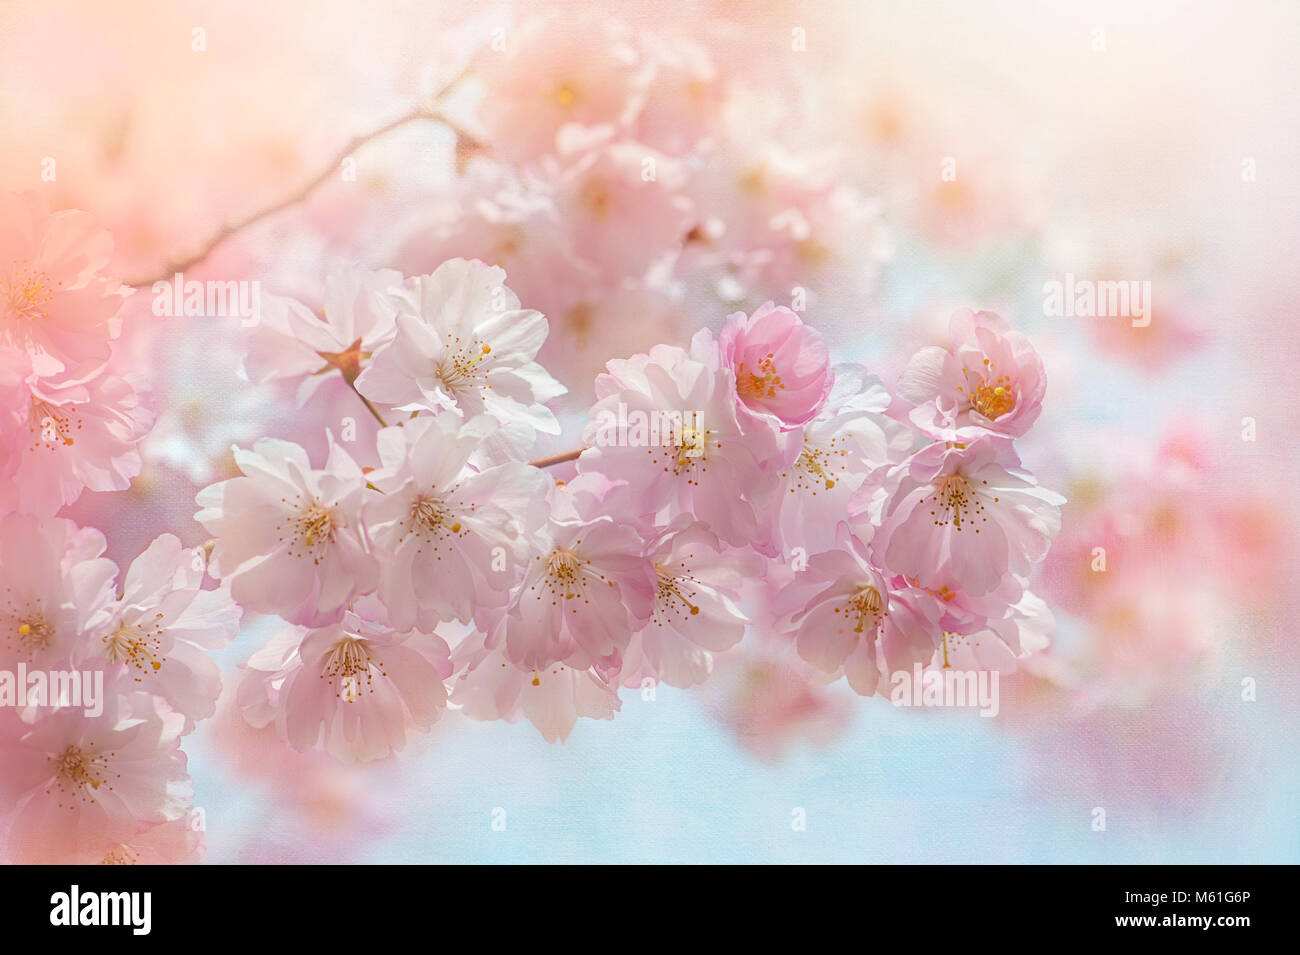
(774, 285)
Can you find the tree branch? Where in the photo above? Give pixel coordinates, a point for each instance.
(366, 401)
(428, 110)
(557, 458)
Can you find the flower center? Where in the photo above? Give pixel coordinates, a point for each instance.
(816, 462)
(75, 769)
(565, 95)
(27, 293)
(954, 501)
(764, 382)
(866, 608)
(566, 577)
(990, 396)
(53, 426)
(432, 516)
(753, 182)
(120, 855)
(682, 446)
(595, 198)
(691, 443)
(33, 633)
(313, 527)
(135, 647)
(350, 663)
(462, 367)
(670, 599)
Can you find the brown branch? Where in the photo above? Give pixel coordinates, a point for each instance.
(557, 458)
(431, 109)
(366, 401)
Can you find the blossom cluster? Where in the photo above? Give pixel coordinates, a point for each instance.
(732, 485)
(618, 170)
(101, 675)
(738, 480)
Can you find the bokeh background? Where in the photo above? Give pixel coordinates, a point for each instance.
(1156, 142)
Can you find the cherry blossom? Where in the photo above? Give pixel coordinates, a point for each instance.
(846, 617)
(989, 380)
(452, 537)
(54, 580)
(684, 98)
(178, 842)
(55, 303)
(710, 500)
(490, 686)
(511, 221)
(587, 73)
(700, 462)
(622, 202)
(289, 538)
(582, 597)
(999, 644)
(464, 345)
(358, 688)
(970, 513)
(292, 342)
(696, 611)
(159, 631)
(825, 464)
(79, 435)
(77, 786)
(781, 366)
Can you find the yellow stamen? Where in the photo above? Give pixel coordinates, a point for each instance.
(765, 383)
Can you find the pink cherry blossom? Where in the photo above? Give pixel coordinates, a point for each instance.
(622, 202)
(55, 303)
(988, 380)
(508, 221)
(79, 435)
(330, 800)
(464, 345)
(159, 630)
(772, 219)
(770, 699)
(54, 580)
(684, 98)
(624, 320)
(582, 597)
(357, 318)
(781, 365)
(699, 462)
(357, 688)
(825, 464)
(492, 687)
(289, 538)
(549, 75)
(999, 644)
(696, 610)
(76, 786)
(845, 616)
(452, 537)
(178, 842)
(970, 515)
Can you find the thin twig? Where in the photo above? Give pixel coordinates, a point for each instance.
(429, 110)
(366, 401)
(557, 458)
